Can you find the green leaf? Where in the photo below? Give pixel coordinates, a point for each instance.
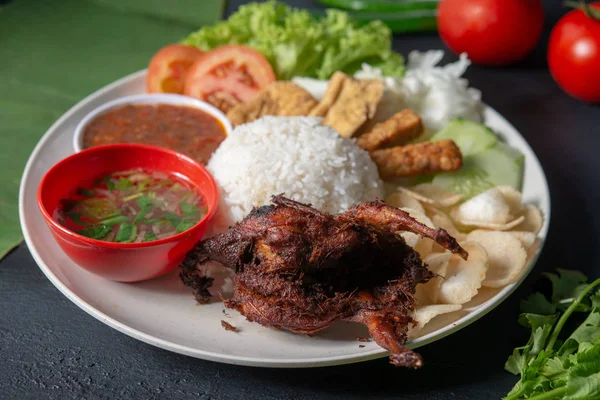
(297, 43)
(35, 94)
(123, 184)
(589, 330)
(583, 388)
(184, 226)
(149, 237)
(144, 201)
(516, 362)
(554, 369)
(174, 219)
(537, 304)
(572, 372)
(126, 233)
(95, 232)
(566, 285)
(142, 214)
(190, 211)
(595, 300)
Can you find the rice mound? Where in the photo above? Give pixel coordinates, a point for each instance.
(295, 156)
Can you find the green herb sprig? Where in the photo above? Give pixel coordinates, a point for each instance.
(551, 367)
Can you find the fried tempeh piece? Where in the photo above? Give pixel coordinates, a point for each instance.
(348, 103)
(417, 159)
(398, 130)
(278, 98)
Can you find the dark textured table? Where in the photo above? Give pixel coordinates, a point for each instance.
(49, 348)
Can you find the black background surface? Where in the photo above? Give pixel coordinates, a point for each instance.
(49, 348)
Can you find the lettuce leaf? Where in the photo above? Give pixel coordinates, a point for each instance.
(297, 43)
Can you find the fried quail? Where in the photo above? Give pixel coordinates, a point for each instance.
(302, 270)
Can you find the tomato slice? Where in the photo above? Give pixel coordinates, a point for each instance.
(168, 68)
(228, 75)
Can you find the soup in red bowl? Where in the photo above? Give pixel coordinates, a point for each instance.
(127, 212)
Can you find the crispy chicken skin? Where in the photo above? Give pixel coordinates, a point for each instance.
(401, 128)
(278, 98)
(348, 103)
(302, 270)
(417, 159)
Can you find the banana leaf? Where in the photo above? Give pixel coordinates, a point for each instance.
(54, 53)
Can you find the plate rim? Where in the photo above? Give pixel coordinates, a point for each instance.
(257, 361)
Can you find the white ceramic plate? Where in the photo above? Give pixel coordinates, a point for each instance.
(163, 313)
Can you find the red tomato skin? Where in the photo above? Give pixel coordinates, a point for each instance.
(574, 55)
(168, 68)
(244, 73)
(491, 32)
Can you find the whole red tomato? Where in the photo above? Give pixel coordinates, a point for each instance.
(574, 55)
(491, 32)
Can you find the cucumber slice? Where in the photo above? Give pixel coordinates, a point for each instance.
(499, 165)
(469, 136)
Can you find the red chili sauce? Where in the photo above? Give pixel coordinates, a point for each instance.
(184, 129)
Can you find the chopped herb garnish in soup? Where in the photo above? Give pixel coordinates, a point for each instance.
(132, 206)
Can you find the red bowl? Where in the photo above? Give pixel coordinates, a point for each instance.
(125, 262)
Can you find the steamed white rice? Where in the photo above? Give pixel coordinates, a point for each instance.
(296, 156)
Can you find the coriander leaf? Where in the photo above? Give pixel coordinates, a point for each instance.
(126, 233)
(587, 360)
(572, 372)
(537, 304)
(516, 362)
(174, 219)
(595, 299)
(123, 183)
(142, 214)
(184, 226)
(149, 237)
(583, 388)
(95, 232)
(575, 305)
(532, 381)
(541, 327)
(566, 285)
(83, 192)
(589, 330)
(554, 369)
(144, 201)
(190, 211)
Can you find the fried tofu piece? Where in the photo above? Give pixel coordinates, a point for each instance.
(417, 159)
(281, 98)
(349, 103)
(398, 130)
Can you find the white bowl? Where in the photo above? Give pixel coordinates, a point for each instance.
(155, 98)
